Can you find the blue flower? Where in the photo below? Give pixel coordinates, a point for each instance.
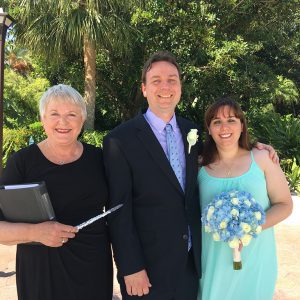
(232, 216)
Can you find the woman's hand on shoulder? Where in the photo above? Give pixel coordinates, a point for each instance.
(52, 234)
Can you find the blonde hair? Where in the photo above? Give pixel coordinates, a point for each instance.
(62, 92)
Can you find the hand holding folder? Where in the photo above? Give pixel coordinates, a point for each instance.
(28, 203)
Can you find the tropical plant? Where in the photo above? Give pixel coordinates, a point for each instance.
(93, 137)
(14, 140)
(292, 173)
(17, 59)
(21, 97)
(282, 132)
(224, 46)
(245, 49)
(56, 28)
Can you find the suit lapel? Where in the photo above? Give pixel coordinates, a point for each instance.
(152, 145)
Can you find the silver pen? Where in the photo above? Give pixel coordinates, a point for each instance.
(92, 220)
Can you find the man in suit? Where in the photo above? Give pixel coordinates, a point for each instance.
(156, 234)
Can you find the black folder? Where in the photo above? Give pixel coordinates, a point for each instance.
(28, 203)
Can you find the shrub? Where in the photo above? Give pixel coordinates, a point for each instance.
(292, 173)
(93, 137)
(13, 140)
(282, 132)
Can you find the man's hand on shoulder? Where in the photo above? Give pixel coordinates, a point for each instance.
(137, 284)
(272, 153)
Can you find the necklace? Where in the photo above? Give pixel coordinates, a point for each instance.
(228, 170)
(54, 153)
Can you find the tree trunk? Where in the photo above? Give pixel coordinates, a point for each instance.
(89, 54)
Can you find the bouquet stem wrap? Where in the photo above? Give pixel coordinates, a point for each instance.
(237, 261)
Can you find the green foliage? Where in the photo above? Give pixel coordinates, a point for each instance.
(224, 48)
(71, 22)
(292, 173)
(245, 49)
(77, 28)
(286, 91)
(37, 132)
(13, 140)
(286, 97)
(282, 132)
(21, 97)
(93, 137)
(16, 139)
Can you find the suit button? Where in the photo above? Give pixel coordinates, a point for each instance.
(185, 237)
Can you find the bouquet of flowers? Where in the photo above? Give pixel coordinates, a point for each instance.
(233, 217)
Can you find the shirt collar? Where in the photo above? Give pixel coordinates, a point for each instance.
(158, 123)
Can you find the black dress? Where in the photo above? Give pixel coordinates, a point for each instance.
(82, 268)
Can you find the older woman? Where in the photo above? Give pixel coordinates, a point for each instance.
(66, 264)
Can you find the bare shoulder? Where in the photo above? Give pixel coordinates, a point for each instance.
(262, 158)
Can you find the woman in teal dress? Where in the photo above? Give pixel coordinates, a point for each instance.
(230, 163)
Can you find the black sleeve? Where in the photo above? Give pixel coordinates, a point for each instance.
(126, 244)
(13, 173)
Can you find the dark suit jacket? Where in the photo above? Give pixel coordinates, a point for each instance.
(151, 230)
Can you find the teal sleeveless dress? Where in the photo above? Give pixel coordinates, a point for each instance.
(256, 280)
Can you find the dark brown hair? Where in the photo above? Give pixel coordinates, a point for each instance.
(210, 152)
(156, 57)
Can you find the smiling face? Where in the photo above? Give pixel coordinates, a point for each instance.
(162, 89)
(225, 127)
(62, 121)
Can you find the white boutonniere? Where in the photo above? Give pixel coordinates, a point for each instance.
(192, 138)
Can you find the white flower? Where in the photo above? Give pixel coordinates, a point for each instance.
(248, 203)
(210, 212)
(192, 138)
(234, 243)
(235, 201)
(246, 227)
(257, 215)
(234, 212)
(219, 203)
(246, 239)
(223, 225)
(258, 229)
(232, 194)
(216, 237)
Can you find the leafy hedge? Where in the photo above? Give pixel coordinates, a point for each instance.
(283, 133)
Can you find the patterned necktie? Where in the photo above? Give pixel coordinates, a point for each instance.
(176, 166)
(174, 155)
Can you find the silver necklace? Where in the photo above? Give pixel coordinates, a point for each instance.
(228, 170)
(58, 161)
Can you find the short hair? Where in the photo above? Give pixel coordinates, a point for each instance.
(210, 150)
(62, 92)
(159, 56)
